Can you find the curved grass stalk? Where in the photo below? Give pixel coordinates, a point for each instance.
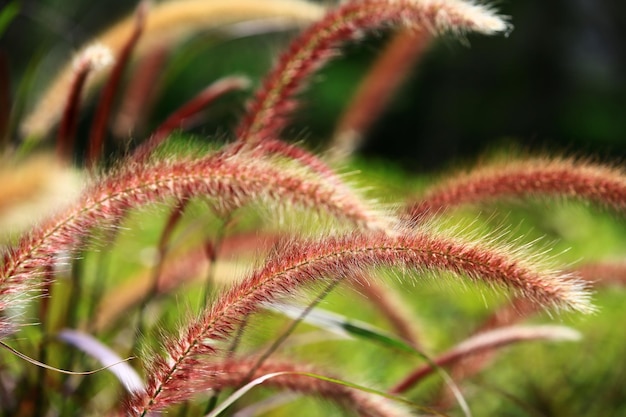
(166, 23)
(93, 58)
(232, 180)
(305, 379)
(274, 102)
(102, 113)
(179, 118)
(487, 342)
(297, 264)
(540, 177)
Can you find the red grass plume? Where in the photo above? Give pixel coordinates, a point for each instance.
(269, 111)
(173, 379)
(541, 177)
(231, 180)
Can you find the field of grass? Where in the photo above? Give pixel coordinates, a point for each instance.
(168, 274)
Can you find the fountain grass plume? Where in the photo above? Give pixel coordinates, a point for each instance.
(258, 168)
(33, 189)
(232, 180)
(577, 179)
(296, 264)
(274, 102)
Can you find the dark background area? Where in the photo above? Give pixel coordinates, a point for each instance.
(556, 83)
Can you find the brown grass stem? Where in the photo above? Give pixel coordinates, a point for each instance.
(69, 119)
(162, 249)
(180, 118)
(213, 250)
(111, 88)
(140, 94)
(94, 58)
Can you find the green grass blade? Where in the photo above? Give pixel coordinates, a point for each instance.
(337, 323)
(7, 14)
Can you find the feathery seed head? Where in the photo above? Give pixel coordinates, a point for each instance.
(455, 15)
(274, 101)
(295, 264)
(33, 189)
(520, 179)
(230, 180)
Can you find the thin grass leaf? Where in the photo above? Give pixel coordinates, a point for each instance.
(342, 325)
(119, 367)
(260, 380)
(28, 359)
(266, 405)
(241, 392)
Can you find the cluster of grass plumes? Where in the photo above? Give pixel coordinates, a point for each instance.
(184, 307)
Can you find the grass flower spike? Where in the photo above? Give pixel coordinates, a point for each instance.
(232, 180)
(295, 265)
(269, 111)
(541, 177)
